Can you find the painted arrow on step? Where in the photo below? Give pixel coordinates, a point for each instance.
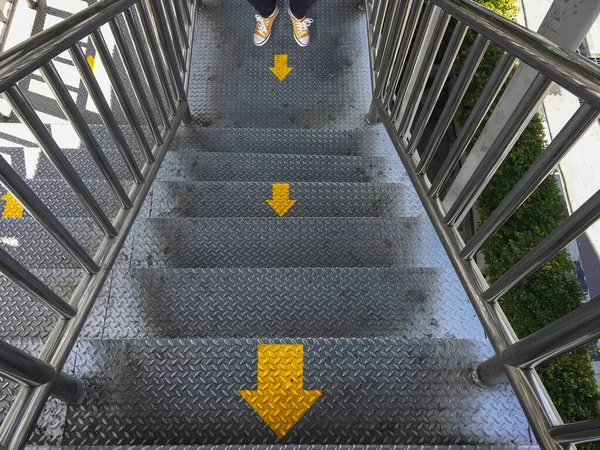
(280, 399)
(281, 202)
(12, 208)
(280, 67)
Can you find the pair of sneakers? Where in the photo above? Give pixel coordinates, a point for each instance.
(262, 31)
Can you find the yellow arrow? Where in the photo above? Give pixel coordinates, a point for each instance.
(280, 399)
(12, 209)
(92, 63)
(281, 68)
(281, 202)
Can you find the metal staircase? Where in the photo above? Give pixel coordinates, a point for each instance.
(352, 280)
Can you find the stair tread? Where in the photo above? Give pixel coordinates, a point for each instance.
(287, 242)
(375, 391)
(313, 199)
(201, 166)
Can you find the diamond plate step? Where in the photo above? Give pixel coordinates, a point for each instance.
(288, 242)
(328, 88)
(28, 242)
(235, 199)
(381, 391)
(367, 140)
(61, 200)
(23, 317)
(238, 303)
(195, 166)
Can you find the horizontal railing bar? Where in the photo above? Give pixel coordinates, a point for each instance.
(568, 69)
(577, 433)
(14, 271)
(23, 368)
(23, 109)
(68, 106)
(585, 117)
(105, 112)
(467, 133)
(40, 212)
(21, 60)
(569, 230)
(495, 154)
(457, 94)
(574, 330)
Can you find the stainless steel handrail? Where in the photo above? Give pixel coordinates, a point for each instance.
(414, 38)
(154, 50)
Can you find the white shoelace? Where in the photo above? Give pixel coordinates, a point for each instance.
(262, 25)
(302, 25)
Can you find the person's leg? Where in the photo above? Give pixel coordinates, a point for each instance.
(264, 7)
(300, 8)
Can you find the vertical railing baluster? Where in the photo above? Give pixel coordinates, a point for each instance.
(40, 212)
(146, 66)
(413, 20)
(419, 41)
(582, 120)
(467, 132)
(393, 47)
(156, 56)
(422, 75)
(105, 112)
(443, 71)
(134, 78)
(452, 104)
(29, 117)
(169, 55)
(181, 23)
(119, 88)
(495, 154)
(82, 129)
(14, 271)
(173, 33)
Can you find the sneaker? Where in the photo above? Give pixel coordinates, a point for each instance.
(301, 33)
(262, 31)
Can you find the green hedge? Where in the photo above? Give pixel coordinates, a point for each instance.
(552, 291)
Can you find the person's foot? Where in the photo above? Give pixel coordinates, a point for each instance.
(301, 32)
(262, 31)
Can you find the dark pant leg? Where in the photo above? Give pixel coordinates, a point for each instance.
(300, 7)
(264, 7)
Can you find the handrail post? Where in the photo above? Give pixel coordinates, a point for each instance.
(21, 367)
(489, 373)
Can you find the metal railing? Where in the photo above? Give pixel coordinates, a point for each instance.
(405, 40)
(156, 36)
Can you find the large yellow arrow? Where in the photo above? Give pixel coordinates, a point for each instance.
(280, 399)
(281, 202)
(12, 209)
(281, 68)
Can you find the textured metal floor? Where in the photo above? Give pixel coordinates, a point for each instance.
(354, 271)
